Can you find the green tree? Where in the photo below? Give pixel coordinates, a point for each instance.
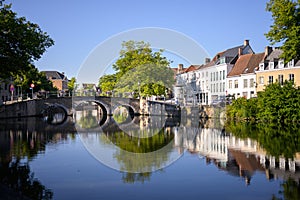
(280, 103)
(286, 27)
(21, 41)
(107, 82)
(139, 67)
(71, 84)
(39, 80)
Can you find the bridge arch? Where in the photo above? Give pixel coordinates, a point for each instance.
(54, 114)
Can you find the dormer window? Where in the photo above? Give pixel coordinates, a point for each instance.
(291, 63)
(222, 60)
(281, 64)
(271, 64)
(261, 66)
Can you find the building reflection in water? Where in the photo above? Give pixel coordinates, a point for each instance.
(239, 157)
(21, 141)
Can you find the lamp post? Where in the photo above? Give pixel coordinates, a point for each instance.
(139, 83)
(21, 79)
(31, 87)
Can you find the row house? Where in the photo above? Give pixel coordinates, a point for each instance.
(59, 80)
(274, 69)
(241, 80)
(208, 81)
(5, 91)
(185, 88)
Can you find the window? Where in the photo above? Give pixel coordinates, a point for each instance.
(220, 75)
(261, 66)
(270, 79)
(214, 87)
(236, 84)
(217, 76)
(211, 78)
(280, 79)
(206, 74)
(291, 77)
(223, 74)
(245, 94)
(252, 82)
(245, 83)
(281, 64)
(221, 88)
(222, 60)
(261, 80)
(230, 84)
(271, 64)
(291, 63)
(217, 87)
(202, 74)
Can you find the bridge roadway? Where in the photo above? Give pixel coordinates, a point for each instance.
(36, 107)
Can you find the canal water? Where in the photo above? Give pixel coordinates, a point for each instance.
(148, 158)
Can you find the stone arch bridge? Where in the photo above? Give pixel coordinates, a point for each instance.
(36, 107)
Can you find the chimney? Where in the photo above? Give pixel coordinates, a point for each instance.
(180, 67)
(240, 52)
(268, 50)
(246, 43)
(207, 60)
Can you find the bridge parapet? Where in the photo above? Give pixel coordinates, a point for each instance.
(136, 106)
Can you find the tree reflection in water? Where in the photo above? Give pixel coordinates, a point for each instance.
(18, 177)
(141, 149)
(20, 142)
(278, 140)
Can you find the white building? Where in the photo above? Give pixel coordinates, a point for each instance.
(241, 80)
(210, 78)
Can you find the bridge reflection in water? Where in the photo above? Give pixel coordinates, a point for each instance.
(239, 157)
(26, 138)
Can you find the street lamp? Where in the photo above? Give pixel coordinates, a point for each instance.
(31, 87)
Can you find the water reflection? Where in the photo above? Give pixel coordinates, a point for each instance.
(240, 150)
(20, 142)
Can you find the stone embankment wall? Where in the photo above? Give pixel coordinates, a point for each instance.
(32, 108)
(203, 111)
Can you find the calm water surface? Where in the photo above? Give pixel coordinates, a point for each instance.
(201, 161)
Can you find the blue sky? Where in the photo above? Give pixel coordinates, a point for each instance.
(77, 27)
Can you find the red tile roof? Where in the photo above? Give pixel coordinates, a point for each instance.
(191, 68)
(246, 64)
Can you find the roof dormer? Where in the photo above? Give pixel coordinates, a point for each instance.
(281, 64)
(261, 66)
(271, 65)
(291, 63)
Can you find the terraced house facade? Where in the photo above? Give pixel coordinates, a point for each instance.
(274, 69)
(237, 72)
(208, 81)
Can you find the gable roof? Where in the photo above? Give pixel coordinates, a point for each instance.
(230, 54)
(54, 75)
(246, 64)
(274, 55)
(192, 68)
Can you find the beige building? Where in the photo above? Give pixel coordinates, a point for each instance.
(273, 69)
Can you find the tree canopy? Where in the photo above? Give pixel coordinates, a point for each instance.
(139, 69)
(286, 27)
(277, 103)
(21, 41)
